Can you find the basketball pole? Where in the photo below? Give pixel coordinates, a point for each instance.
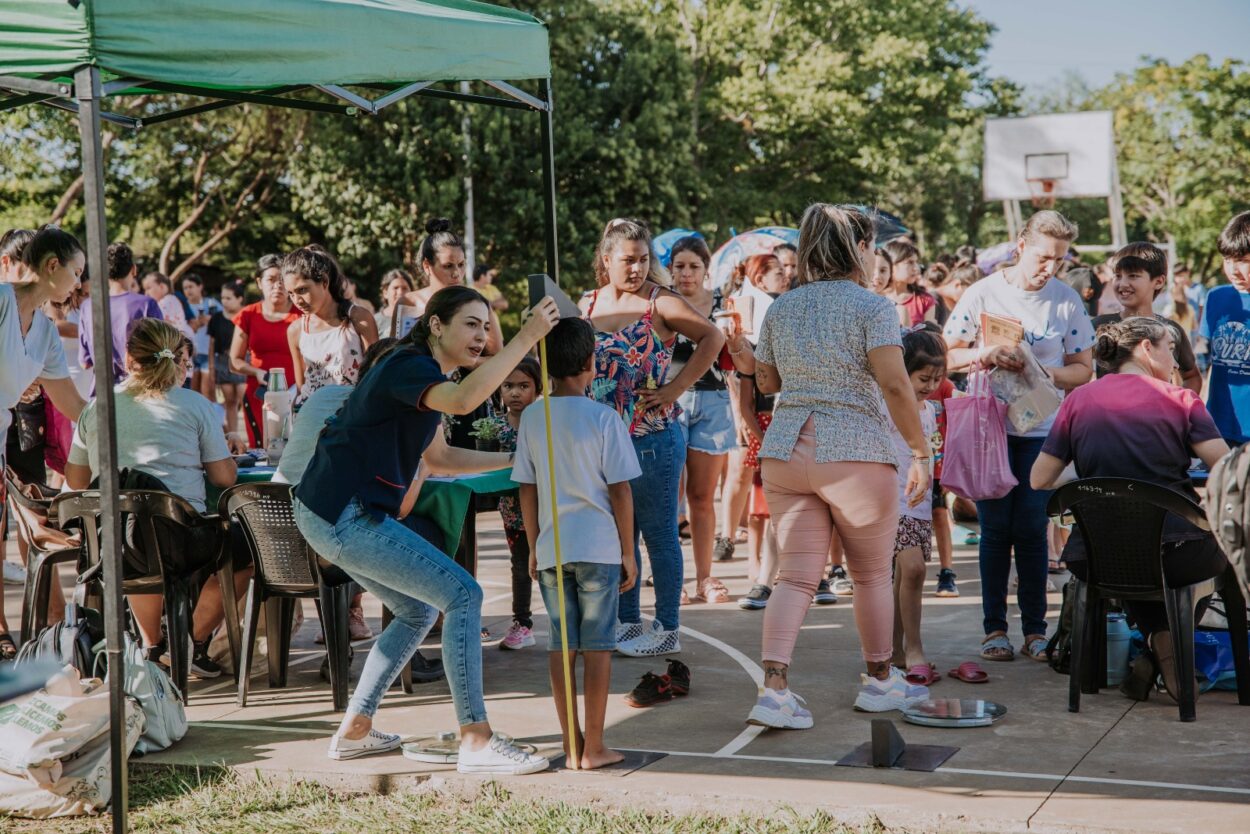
(572, 760)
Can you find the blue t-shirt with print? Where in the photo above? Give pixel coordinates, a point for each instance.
(1226, 327)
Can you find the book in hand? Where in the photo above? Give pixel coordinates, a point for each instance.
(1001, 330)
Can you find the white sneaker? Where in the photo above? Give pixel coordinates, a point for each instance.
(892, 693)
(354, 748)
(626, 632)
(653, 642)
(500, 756)
(13, 572)
(780, 710)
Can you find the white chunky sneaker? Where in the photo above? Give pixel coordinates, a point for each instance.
(892, 693)
(354, 748)
(780, 710)
(500, 756)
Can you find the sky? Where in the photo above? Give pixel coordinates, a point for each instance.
(1038, 40)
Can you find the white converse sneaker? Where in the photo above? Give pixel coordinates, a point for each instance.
(653, 642)
(353, 748)
(892, 693)
(781, 710)
(500, 756)
(625, 632)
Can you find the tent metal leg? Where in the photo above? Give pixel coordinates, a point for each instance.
(549, 182)
(88, 93)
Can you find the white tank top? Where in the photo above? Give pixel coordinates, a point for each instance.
(331, 357)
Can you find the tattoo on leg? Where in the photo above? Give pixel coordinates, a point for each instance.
(775, 677)
(879, 668)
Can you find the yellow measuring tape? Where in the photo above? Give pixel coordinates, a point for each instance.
(573, 760)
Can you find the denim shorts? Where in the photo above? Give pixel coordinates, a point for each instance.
(201, 362)
(591, 592)
(707, 422)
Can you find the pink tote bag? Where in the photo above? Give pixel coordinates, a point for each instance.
(975, 464)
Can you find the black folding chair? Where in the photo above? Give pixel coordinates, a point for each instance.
(286, 570)
(1121, 521)
(176, 549)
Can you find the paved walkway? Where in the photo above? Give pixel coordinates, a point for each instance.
(1115, 766)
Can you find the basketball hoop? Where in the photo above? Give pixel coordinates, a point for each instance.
(1043, 193)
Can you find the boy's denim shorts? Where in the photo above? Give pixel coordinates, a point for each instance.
(591, 593)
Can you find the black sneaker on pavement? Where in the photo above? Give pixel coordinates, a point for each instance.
(723, 549)
(426, 669)
(946, 583)
(203, 666)
(824, 594)
(678, 677)
(840, 582)
(756, 598)
(651, 690)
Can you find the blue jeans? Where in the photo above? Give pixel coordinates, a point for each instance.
(1017, 521)
(415, 580)
(662, 456)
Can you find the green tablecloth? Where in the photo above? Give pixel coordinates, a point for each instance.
(446, 503)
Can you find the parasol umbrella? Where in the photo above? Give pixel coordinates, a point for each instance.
(663, 244)
(739, 248)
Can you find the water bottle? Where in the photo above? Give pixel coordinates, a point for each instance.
(276, 411)
(1118, 639)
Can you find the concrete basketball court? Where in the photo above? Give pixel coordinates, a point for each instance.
(1116, 766)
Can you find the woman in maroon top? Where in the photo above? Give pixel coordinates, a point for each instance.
(1134, 423)
(260, 340)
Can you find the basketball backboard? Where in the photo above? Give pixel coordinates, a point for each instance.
(1073, 152)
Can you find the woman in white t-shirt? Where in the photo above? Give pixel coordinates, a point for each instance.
(1057, 329)
(30, 347)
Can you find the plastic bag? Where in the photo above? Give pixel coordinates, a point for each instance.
(975, 464)
(1029, 394)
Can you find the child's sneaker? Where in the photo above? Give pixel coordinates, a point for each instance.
(723, 549)
(946, 583)
(518, 637)
(679, 677)
(756, 598)
(652, 642)
(840, 582)
(824, 594)
(780, 710)
(374, 742)
(892, 693)
(651, 690)
(627, 632)
(500, 756)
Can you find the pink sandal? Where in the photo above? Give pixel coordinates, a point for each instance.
(922, 674)
(713, 591)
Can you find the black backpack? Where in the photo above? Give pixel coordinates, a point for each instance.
(70, 641)
(1059, 647)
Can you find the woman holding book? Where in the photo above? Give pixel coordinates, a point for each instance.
(1050, 318)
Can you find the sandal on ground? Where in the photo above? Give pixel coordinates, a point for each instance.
(1054, 566)
(685, 597)
(8, 648)
(1035, 648)
(969, 672)
(997, 647)
(712, 590)
(922, 674)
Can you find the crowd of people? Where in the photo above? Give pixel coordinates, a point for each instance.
(797, 410)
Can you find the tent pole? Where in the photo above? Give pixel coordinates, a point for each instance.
(88, 93)
(549, 181)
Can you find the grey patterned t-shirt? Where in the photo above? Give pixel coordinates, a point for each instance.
(818, 337)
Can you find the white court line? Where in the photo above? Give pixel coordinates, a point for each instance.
(752, 668)
(315, 654)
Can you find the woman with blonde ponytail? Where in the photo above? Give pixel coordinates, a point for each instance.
(173, 435)
(831, 349)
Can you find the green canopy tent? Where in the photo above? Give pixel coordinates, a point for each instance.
(75, 55)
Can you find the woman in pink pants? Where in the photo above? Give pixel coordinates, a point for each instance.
(832, 349)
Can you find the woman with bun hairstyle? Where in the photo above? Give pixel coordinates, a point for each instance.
(1134, 423)
(172, 434)
(357, 488)
(329, 341)
(443, 265)
(636, 324)
(831, 351)
(706, 416)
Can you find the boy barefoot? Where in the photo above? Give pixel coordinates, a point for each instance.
(594, 463)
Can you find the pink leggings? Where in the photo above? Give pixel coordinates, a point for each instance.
(808, 501)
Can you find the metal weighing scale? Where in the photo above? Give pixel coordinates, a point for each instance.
(954, 712)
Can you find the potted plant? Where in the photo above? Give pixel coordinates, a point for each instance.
(485, 434)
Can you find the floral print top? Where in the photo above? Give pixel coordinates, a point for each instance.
(509, 505)
(331, 357)
(631, 359)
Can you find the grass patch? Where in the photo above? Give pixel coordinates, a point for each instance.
(215, 801)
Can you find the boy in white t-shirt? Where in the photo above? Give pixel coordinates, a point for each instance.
(594, 464)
